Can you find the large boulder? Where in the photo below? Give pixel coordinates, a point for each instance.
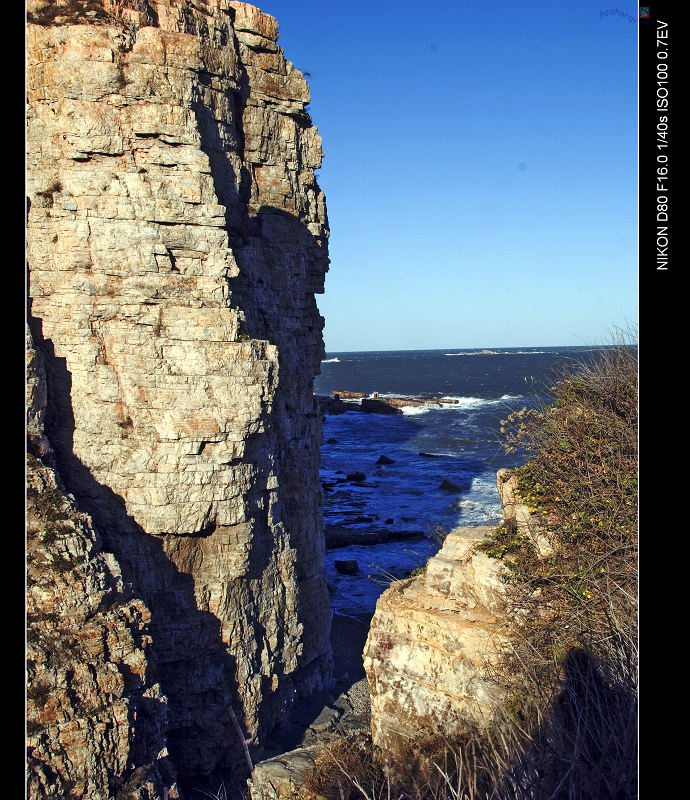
(433, 644)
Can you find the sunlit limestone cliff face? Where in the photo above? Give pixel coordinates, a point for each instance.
(176, 237)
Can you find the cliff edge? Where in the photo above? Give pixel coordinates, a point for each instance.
(176, 236)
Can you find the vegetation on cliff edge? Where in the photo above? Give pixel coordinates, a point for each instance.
(568, 728)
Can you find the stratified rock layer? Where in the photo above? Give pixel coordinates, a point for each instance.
(176, 237)
(89, 677)
(434, 642)
(96, 717)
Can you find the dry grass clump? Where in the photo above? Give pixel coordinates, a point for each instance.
(584, 744)
(431, 769)
(582, 748)
(342, 770)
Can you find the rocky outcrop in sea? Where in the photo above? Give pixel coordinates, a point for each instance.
(341, 401)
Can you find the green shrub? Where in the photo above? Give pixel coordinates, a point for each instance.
(580, 483)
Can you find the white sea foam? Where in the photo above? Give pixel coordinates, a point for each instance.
(446, 403)
(477, 402)
(331, 361)
(411, 411)
(454, 403)
(498, 353)
(464, 403)
(467, 402)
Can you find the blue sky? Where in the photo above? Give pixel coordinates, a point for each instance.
(480, 169)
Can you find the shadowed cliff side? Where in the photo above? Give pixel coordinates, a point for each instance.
(176, 237)
(96, 716)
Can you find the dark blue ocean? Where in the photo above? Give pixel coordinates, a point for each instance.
(460, 442)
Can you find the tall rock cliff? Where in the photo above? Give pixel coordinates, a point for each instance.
(176, 237)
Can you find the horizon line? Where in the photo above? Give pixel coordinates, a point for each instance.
(493, 347)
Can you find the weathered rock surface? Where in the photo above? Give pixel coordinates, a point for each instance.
(333, 405)
(339, 394)
(514, 509)
(89, 677)
(96, 717)
(176, 236)
(375, 406)
(433, 643)
(321, 723)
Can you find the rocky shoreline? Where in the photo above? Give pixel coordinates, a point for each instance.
(341, 401)
(344, 710)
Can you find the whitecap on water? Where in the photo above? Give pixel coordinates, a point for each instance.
(411, 411)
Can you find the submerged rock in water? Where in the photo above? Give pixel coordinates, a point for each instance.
(333, 405)
(341, 536)
(356, 477)
(347, 566)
